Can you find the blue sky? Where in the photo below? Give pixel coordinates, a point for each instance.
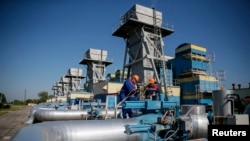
(41, 39)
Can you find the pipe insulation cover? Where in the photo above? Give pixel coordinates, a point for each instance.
(75, 130)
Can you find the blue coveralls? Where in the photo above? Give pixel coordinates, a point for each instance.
(127, 87)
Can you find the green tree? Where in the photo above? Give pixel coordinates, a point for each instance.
(3, 99)
(50, 97)
(36, 101)
(44, 96)
(18, 102)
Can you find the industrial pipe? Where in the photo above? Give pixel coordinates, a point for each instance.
(75, 130)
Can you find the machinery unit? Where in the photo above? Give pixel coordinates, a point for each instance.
(190, 67)
(224, 109)
(195, 120)
(65, 85)
(156, 120)
(75, 76)
(57, 88)
(141, 28)
(96, 61)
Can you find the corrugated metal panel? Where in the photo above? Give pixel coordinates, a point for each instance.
(114, 87)
(198, 65)
(190, 46)
(65, 79)
(96, 54)
(169, 76)
(189, 87)
(81, 95)
(199, 78)
(145, 15)
(75, 72)
(173, 90)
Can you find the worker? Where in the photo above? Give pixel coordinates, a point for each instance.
(128, 89)
(152, 90)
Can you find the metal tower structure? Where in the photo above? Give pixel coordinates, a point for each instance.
(211, 59)
(96, 61)
(141, 29)
(57, 89)
(75, 76)
(65, 85)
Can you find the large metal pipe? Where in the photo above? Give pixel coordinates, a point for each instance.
(193, 109)
(50, 115)
(196, 120)
(33, 110)
(222, 106)
(75, 130)
(53, 115)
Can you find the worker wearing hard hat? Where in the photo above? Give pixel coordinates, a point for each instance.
(152, 90)
(128, 89)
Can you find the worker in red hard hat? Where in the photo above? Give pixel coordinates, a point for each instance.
(152, 90)
(129, 88)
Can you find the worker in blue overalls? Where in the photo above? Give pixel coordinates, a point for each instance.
(128, 89)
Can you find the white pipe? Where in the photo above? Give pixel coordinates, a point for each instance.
(50, 115)
(76, 130)
(54, 115)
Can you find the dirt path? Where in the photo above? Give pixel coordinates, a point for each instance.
(11, 122)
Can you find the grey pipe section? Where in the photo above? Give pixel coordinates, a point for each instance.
(75, 130)
(221, 105)
(196, 120)
(232, 105)
(53, 115)
(33, 110)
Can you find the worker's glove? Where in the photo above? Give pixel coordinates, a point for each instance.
(137, 90)
(153, 94)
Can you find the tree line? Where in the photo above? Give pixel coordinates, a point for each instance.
(43, 97)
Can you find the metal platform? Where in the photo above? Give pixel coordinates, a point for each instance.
(131, 24)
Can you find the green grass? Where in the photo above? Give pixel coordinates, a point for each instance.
(12, 108)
